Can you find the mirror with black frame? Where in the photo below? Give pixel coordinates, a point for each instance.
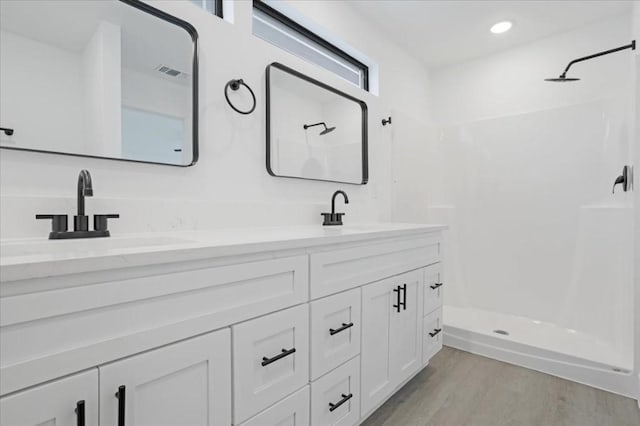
(111, 79)
(314, 131)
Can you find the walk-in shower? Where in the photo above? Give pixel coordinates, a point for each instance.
(539, 255)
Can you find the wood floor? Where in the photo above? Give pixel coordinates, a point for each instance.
(460, 389)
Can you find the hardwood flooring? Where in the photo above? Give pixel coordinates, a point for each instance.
(463, 389)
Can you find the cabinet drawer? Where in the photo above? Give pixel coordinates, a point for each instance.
(291, 411)
(270, 359)
(335, 331)
(53, 403)
(341, 269)
(86, 325)
(432, 339)
(433, 288)
(335, 398)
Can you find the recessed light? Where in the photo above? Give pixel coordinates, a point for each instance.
(501, 27)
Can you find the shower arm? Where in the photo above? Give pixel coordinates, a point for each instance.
(631, 46)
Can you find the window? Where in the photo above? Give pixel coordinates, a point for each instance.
(212, 6)
(281, 31)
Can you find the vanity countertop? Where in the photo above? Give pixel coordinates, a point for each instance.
(40, 258)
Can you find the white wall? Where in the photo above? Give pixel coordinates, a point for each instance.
(26, 65)
(636, 36)
(522, 170)
(230, 180)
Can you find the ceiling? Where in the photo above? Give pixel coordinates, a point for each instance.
(444, 32)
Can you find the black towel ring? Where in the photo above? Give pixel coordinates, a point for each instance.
(235, 85)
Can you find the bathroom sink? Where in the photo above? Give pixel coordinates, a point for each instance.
(90, 245)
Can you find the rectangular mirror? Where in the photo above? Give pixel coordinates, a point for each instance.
(314, 131)
(111, 79)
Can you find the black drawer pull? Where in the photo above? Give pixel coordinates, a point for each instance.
(436, 285)
(338, 330)
(435, 332)
(344, 399)
(404, 296)
(267, 361)
(121, 395)
(80, 419)
(398, 304)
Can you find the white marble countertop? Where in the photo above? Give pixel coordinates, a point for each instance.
(39, 258)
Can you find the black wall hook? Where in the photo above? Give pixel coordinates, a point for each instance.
(235, 85)
(386, 121)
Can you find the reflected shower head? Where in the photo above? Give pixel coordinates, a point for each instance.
(322, 123)
(563, 77)
(327, 130)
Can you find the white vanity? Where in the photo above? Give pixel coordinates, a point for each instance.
(258, 327)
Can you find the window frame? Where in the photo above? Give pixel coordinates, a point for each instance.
(217, 9)
(305, 32)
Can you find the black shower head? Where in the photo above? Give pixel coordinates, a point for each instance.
(563, 77)
(322, 133)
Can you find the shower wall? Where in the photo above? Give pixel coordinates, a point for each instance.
(522, 170)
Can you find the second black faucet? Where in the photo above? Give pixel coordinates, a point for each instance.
(333, 218)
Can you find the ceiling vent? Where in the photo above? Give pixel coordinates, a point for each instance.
(171, 72)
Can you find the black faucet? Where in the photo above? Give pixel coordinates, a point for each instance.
(85, 189)
(333, 218)
(80, 221)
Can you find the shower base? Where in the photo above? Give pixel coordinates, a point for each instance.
(540, 346)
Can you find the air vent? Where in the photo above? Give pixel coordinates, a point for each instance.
(171, 72)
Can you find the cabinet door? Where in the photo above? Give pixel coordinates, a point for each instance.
(391, 335)
(406, 328)
(55, 403)
(377, 378)
(187, 383)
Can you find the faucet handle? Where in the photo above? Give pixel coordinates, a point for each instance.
(100, 221)
(58, 221)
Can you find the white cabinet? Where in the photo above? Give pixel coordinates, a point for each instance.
(291, 411)
(335, 397)
(187, 383)
(61, 402)
(335, 331)
(270, 359)
(391, 335)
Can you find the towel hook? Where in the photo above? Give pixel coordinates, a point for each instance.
(235, 85)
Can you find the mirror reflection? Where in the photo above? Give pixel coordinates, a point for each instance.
(315, 131)
(97, 78)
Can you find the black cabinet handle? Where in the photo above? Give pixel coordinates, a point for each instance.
(436, 285)
(267, 361)
(338, 330)
(404, 296)
(344, 399)
(397, 305)
(121, 395)
(80, 419)
(435, 332)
